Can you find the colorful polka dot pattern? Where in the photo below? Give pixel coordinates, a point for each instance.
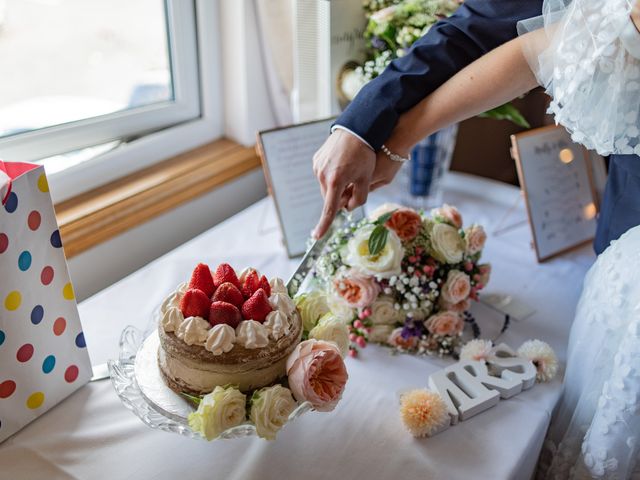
(42, 347)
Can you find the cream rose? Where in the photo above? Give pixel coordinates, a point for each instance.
(219, 410)
(331, 329)
(444, 323)
(384, 264)
(380, 333)
(446, 243)
(459, 307)
(311, 307)
(384, 313)
(448, 214)
(339, 307)
(456, 288)
(474, 239)
(384, 208)
(270, 410)
(357, 289)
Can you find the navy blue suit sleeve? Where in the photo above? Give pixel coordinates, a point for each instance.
(477, 27)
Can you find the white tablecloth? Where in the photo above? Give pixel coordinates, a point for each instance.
(91, 435)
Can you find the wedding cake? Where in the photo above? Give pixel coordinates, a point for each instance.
(223, 329)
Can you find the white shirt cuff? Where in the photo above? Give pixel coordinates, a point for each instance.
(630, 38)
(340, 127)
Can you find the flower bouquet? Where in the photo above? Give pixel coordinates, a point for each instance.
(401, 278)
(393, 26)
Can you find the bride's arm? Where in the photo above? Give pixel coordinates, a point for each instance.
(496, 78)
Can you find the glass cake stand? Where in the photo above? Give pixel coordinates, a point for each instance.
(137, 381)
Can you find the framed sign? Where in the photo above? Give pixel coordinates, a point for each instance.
(557, 180)
(287, 160)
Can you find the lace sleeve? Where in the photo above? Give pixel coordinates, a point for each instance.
(584, 53)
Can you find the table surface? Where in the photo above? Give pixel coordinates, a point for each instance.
(91, 435)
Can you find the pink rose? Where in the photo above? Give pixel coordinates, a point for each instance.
(444, 323)
(448, 214)
(459, 307)
(474, 238)
(317, 374)
(396, 340)
(406, 223)
(357, 289)
(456, 288)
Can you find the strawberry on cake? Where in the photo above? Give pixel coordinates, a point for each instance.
(221, 329)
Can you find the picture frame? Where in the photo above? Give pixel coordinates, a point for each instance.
(286, 154)
(561, 195)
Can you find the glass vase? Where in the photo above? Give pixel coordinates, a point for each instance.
(419, 181)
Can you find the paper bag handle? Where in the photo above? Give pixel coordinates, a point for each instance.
(5, 187)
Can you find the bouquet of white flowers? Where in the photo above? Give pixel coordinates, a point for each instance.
(399, 277)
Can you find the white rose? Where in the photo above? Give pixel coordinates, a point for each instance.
(332, 329)
(384, 313)
(380, 333)
(384, 208)
(219, 410)
(270, 410)
(474, 238)
(446, 244)
(340, 308)
(311, 306)
(384, 264)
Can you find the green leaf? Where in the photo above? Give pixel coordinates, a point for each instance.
(192, 398)
(382, 219)
(507, 112)
(378, 239)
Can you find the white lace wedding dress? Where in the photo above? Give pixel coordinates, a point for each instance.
(586, 53)
(594, 433)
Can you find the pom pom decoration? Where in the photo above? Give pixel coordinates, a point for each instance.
(423, 412)
(542, 356)
(476, 349)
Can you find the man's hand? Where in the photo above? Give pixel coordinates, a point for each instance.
(344, 167)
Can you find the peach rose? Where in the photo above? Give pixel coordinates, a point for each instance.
(397, 340)
(317, 374)
(448, 214)
(474, 239)
(444, 323)
(459, 307)
(456, 288)
(357, 289)
(406, 223)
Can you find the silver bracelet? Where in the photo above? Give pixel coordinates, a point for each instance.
(394, 156)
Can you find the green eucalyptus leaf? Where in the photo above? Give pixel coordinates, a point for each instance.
(384, 218)
(378, 239)
(507, 112)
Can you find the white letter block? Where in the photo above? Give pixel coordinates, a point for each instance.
(505, 363)
(462, 391)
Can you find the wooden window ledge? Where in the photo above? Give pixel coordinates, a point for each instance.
(100, 214)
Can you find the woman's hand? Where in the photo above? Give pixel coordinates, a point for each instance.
(344, 166)
(386, 169)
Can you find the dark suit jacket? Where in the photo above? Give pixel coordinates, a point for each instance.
(476, 28)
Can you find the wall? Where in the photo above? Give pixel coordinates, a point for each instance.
(96, 269)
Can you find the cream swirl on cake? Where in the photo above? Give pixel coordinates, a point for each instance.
(220, 329)
(220, 339)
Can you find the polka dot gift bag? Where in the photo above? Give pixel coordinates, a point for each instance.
(43, 356)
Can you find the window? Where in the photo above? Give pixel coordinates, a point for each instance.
(85, 77)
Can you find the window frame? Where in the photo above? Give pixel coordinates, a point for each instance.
(192, 119)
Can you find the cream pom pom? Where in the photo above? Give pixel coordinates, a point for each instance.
(476, 350)
(423, 412)
(542, 356)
